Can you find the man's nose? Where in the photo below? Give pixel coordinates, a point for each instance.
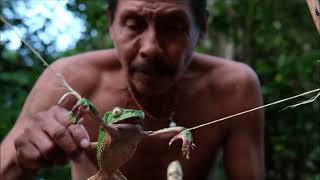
(150, 45)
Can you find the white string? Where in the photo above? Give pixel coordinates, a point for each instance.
(59, 76)
(254, 109)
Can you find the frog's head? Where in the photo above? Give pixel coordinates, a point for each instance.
(122, 115)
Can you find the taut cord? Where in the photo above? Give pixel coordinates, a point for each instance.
(264, 106)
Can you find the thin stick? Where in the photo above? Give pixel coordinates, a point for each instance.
(254, 109)
(304, 102)
(75, 93)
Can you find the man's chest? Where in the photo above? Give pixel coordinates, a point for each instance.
(189, 112)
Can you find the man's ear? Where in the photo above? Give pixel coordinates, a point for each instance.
(204, 29)
(110, 20)
(108, 14)
(110, 32)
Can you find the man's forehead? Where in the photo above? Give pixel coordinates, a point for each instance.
(153, 5)
(167, 1)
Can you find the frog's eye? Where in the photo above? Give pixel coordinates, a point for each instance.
(116, 111)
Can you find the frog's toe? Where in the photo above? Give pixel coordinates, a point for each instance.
(193, 146)
(187, 144)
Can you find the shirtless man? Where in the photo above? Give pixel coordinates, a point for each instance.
(154, 54)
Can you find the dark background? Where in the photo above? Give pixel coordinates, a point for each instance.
(276, 38)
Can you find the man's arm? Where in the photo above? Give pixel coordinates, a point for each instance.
(43, 135)
(244, 145)
(36, 132)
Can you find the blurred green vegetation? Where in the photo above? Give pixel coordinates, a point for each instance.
(276, 38)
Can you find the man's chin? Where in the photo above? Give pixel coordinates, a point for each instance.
(145, 84)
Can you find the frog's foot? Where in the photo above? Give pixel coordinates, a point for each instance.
(77, 112)
(101, 176)
(82, 107)
(187, 142)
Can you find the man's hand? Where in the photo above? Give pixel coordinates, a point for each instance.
(50, 139)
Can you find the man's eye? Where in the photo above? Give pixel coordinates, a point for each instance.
(134, 24)
(131, 23)
(175, 27)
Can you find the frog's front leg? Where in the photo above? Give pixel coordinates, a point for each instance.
(176, 133)
(83, 106)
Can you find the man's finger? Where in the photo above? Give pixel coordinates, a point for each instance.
(27, 154)
(80, 135)
(60, 135)
(42, 142)
(62, 115)
(49, 152)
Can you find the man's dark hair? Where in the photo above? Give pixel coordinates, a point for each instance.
(198, 6)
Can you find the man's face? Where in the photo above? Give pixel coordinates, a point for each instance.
(155, 40)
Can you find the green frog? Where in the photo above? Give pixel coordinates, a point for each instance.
(107, 153)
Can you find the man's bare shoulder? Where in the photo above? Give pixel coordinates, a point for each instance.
(94, 60)
(86, 68)
(234, 86)
(82, 72)
(226, 75)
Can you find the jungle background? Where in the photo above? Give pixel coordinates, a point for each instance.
(276, 38)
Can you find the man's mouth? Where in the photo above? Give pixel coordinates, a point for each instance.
(152, 76)
(154, 70)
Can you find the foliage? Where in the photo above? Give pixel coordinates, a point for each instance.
(277, 38)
